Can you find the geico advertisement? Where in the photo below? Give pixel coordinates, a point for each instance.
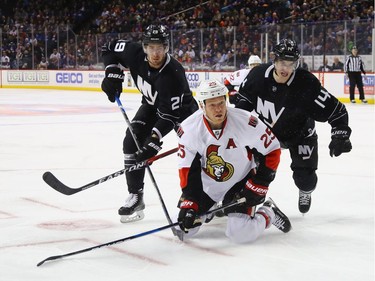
(69, 78)
(85, 79)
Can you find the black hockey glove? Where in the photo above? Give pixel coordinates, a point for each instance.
(255, 194)
(340, 142)
(188, 218)
(112, 82)
(150, 148)
(233, 97)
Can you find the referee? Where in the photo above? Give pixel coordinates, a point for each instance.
(353, 68)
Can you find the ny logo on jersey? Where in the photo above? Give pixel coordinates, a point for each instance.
(268, 111)
(306, 151)
(146, 90)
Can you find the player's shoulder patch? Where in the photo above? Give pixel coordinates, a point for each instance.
(180, 131)
(253, 121)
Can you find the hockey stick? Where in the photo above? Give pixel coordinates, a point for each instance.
(147, 166)
(237, 202)
(57, 185)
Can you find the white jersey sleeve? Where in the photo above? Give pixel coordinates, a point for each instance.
(237, 77)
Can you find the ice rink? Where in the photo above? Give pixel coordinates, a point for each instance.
(78, 137)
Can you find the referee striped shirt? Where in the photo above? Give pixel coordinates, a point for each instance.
(354, 64)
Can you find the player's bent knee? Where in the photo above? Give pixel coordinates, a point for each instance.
(241, 229)
(305, 179)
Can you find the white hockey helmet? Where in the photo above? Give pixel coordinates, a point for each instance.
(254, 59)
(209, 89)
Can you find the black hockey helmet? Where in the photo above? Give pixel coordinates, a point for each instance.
(286, 49)
(156, 34)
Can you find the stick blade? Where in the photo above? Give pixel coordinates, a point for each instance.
(57, 185)
(49, 259)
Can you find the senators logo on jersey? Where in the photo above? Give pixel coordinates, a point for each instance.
(216, 167)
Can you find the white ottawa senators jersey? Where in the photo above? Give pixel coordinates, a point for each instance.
(216, 160)
(236, 78)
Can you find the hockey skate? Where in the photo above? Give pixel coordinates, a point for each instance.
(281, 221)
(133, 208)
(304, 202)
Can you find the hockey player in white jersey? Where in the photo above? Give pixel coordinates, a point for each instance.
(224, 154)
(234, 80)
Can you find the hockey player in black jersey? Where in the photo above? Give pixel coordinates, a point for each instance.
(166, 101)
(289, 100)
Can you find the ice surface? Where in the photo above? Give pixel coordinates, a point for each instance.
(78, 137)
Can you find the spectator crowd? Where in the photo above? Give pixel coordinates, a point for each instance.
(66, 34)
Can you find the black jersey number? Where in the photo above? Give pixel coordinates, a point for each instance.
(175, 103)
(267, 138)
(120, 46)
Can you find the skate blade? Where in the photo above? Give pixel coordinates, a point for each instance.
(137, 216)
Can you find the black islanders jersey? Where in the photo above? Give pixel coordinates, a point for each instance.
(166, 89)
(285, 108)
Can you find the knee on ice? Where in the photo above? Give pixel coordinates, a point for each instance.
(242, 229)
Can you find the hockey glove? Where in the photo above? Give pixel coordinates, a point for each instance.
(112, 82)
(150, 148)
(187, 217)
(233, 97)
(255, 194)
(340, 142)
